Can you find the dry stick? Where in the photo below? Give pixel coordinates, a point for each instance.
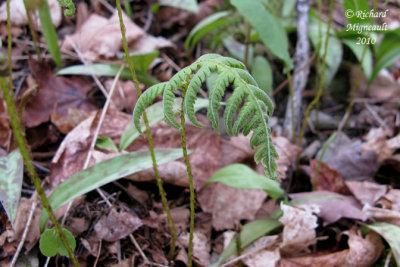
(24, 234)
(96, 80)
(98, 255)
(149, 138)
(319, 92)
(301, 59)
(190, 176)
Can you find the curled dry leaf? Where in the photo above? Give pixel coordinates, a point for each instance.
(55, 95)
(367, 192)
(232, 205)
(18, 14)
(116, 225)
(100, 37)
(362, 252)
(328, 179)
(287, 153)
(332, 206)
(378, 143)
(298, 229)
(382, 215)
(391, 200)
(351, 162)
(266, 256)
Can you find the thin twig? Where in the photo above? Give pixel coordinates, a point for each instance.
(376, 116)
(241, 257)
(96, 134)
(301, 58)
(98, 254)
(81, 57)
(26, 229)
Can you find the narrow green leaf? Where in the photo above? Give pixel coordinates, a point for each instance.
(155, 113)
(357, 49)
(142, 61)
(50, 243)
(389, 52)
(105, 142)
(11, 174)
(262, 73)
(189, 5)
(250, 232)
(49, 32)
(242, 177)
(103, 173)
(391, 233)
(107, 70)
(268, 26)
(205, 26)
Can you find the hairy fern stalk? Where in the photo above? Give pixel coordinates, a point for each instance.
(253, 115)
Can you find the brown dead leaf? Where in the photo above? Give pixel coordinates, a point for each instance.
(352, 163)
(72, 152)
(391, 200)
(298, 230)
(378, 143)
(149, 43)
(367, 192)
(362, 252)
(100, 37)
(66, 123)
(266, 256)
(328, 179)
(232, 205)
(4, 124)
(332, 206)
(125, 95)
(56, 94)
(287, 154)
(383, 215)
(201, 247)
(116, 225)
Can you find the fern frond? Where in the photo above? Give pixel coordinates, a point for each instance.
(144, 101)
(252, 116)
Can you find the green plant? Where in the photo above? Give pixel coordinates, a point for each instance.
(254, 114)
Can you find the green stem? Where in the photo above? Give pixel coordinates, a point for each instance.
(19, 137)
(33, 33)
(189, 172)
(247, 44)
(171, 253)
(321, 83)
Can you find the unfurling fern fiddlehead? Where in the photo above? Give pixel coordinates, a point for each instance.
(254, 114)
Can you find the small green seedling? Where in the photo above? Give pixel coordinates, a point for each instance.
(50, 243)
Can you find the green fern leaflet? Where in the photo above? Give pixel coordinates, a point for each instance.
(252, 116)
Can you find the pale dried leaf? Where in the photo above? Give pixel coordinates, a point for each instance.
(18, 14)
(298, 229)
(367, 192)
(382, 215)
(100, 37)
(287, 153)
(332, 206)
(261, 253)
(391, 200)
(232, 205)
(116, 225)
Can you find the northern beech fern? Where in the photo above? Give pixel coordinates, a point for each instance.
(252, 116)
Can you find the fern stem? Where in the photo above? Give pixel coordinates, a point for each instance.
(171, 253)
(189, 172)
(321, 83)
(32, 30)
(247, 44)
(8, 95)
(19, 137)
